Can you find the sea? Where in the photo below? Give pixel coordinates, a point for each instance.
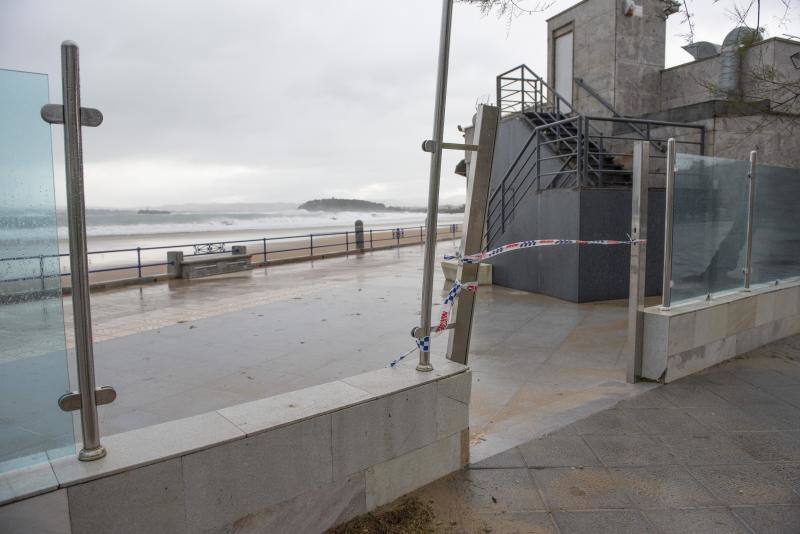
(115, 229)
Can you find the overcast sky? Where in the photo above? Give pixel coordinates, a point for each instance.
(268, 101)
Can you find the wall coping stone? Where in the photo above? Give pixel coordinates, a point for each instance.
(725, 298)
(158, 443)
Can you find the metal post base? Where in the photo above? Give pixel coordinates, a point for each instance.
(424, 367)
(90, 455)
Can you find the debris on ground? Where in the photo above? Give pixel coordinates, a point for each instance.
(411, 517)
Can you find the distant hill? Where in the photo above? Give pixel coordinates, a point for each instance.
(353, 204)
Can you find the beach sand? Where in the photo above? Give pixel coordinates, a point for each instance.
(283, 250)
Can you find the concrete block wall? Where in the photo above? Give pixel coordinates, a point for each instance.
(689, 338)
(300, 462)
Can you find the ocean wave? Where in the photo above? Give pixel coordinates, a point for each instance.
(127, 223)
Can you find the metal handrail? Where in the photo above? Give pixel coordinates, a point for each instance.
(139, 265)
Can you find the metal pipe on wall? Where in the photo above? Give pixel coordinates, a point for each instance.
(423, 333)
(666, 282)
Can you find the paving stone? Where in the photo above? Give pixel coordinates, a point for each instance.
(558, 451)
(744, 395)
(790, 394)
(691, 396)
(580, 489)
(716, 376)
(606, 422)
(727, 418)
(774, 416)
(517, 523)
(485, 490)
(506, 459)
(771, 519)
(789, 472)
(704, 448)
(746, 484)
(633, 450)
(618, 522)
(702, 521)
(664, 420)
(662, 487)
(654, 398)
(769, 446)
(764, 377)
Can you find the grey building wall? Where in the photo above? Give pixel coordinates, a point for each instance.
(619, 57)
(579, 273)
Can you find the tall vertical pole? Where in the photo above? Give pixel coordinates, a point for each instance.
(76, 214)
(666, 281)
(638, 271)
(424, 331)
(751, 203)
(478, 178)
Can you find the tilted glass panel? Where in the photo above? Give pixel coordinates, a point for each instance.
(709, 226)
(33, 365)
(776, 224)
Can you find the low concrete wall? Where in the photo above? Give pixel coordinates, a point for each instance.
(299, 462)
(690, 338)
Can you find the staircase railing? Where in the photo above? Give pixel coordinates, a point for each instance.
(526, 169)
(583, 151)
(520, 89)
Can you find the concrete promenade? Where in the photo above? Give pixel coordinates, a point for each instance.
(718, 452)
(181, 348)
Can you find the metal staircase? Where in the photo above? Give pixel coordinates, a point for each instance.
(565, 149)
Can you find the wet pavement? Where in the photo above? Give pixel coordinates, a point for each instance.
(177, 349)
(717, 452)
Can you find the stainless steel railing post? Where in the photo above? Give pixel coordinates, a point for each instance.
(76, 215)
(423, 333)
(666, 282)
(751, 203)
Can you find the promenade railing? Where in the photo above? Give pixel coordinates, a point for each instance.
(731, 224)
(41, 267)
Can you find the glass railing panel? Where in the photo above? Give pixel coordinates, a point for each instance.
(709, 226)
(33, 364)
(776, 225)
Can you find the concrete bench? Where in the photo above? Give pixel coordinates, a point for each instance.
(208, 264)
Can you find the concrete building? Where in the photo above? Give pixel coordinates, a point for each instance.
(562, 166)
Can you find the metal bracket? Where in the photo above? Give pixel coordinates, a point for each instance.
(70, 402)
(429, 145)
(54, 114)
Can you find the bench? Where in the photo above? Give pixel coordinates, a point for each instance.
(209, 260)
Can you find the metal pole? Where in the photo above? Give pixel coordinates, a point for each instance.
(370, 238)
(666, 281)
(311, 245)
(638, 264)
(41, 271)
(751, 203)
(475, 207)
(139, 261)
(264, 242)
(423, 333)
(346, 241)
(92, 450)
